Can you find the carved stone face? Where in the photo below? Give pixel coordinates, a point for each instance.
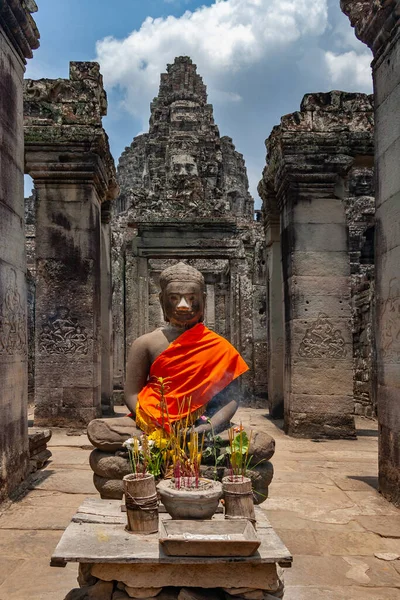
(361, 182)
(183, 165)
(183, 303)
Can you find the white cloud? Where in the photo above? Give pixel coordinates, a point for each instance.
(223, 39)
(257, 58)
(350, 71)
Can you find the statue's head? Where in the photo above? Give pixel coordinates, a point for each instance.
(361, 181)
(183, 165)
(182, 295)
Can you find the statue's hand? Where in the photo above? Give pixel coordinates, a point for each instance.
(203, 428)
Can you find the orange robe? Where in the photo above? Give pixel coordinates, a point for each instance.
(196, 366)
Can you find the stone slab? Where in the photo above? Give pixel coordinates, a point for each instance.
(381, 525)
(8, 566)
(36, 580)
(69, 456)
(23, 544)
(340, 593)
(64, 480)
(204, 575)
(342, 571)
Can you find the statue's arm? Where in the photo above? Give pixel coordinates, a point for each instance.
(137, 370)
(228, 401)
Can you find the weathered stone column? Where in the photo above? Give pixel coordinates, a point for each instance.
(18, 37)
(68, 157)
(275, 329)
(107, 362)
(309, 154)
(378, 25)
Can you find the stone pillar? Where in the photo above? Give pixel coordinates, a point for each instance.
(309, 154)
(118, 306)
(275, 328)
(107, 362)
(67, 155)
(379, 27)
(18, 37)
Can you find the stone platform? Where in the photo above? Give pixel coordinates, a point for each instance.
(137, 565)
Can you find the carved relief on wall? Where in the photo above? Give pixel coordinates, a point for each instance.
(391, 323)
(322, 340)
(12, 319)
(62, 334)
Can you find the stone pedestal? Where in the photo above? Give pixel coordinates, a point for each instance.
(68, 157)
(379, 28)
(18, 36)
(135, 566)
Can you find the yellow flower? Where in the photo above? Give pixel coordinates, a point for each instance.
(158, 439)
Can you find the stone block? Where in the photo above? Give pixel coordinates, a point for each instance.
(321, 404)
(328, 211)
(387, 217)
(38, 437)
(108, 465)
(387, 177)
(306, 307)
(320, 426)
(110, 489)
(387, 75)
(319, 286)
(205, 575)
(136, 592)
(320, 264)
(387, 127)
(322, 381)
(319, 237)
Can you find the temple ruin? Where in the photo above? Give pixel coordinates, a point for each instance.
(307, 289)
(184, 196)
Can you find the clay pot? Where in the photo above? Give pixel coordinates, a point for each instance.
(141, 503)
(190, 503)
(238, 496)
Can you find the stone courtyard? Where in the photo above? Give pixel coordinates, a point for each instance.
(323, 503)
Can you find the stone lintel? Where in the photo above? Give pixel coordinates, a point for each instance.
(72, 163)
(374, 21)
(19, 26)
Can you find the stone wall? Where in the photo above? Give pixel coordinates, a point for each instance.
(18, 36)
(184, 196)
(378, 25)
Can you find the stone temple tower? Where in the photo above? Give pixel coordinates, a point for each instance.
(182, 167)
(184, 196)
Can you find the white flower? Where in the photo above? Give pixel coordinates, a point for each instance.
(128, 443)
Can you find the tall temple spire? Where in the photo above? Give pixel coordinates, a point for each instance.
(182, 168)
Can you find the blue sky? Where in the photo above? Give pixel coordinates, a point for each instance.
(257, 57)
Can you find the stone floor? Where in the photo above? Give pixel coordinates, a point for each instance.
(323, 503)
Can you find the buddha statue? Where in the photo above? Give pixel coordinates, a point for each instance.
(200, 368)
(181, 371)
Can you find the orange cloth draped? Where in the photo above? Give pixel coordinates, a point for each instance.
(197, 365)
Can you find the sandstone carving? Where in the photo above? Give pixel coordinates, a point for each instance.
(62, 334)
(12, 319)
(322, 340)
(391, 323)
